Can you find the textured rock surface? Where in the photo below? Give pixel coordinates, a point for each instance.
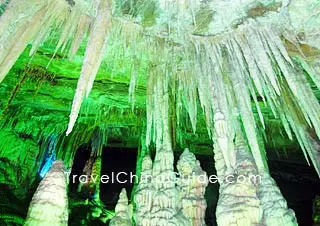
(49, 205)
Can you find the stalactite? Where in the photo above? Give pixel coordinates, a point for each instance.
(74, 28)
(57, 13)
(123, 215)
(95, 50)
(192, 186)
(49, 205)
(158, 109)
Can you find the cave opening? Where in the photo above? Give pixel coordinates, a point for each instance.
(121, 162)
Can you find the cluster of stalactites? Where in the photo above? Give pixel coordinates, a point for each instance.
(158, 129)
(192, 186)
(245, 64)
(20, 26)
(49, 204)
(123, 211)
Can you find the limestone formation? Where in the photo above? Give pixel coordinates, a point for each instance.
(49, 205)
(158, 197)
(238, 202)
(192, 186)
(123, 215)
(144, 193)
(166, 206)
(275, 208)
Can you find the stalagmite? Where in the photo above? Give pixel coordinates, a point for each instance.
(166, 206)
(123, 215)
(219, 162)
(144, 194)
(275, 209)
(49, 205)
(192, 185)
(238, 202)
(95, 51)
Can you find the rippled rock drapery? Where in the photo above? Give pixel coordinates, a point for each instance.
(123, 214)
(49, 205)
(192, 186)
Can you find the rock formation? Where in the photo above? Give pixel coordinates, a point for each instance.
(158, 198)
(144, 194)
(49, 205)
(192, 186)
(166, 206)
(275, 208)
(123, 215)
(248, 197)
(238, 202)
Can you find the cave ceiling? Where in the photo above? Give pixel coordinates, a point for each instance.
(39, 90)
